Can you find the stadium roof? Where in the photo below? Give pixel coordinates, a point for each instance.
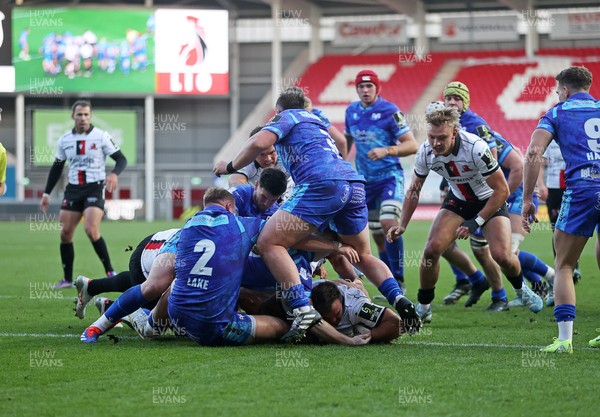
(262, 9)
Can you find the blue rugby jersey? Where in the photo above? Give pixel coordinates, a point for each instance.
(377, 126)
(306, 150)
(211, 253)
(575, 126)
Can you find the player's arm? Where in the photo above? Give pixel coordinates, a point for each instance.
(236, 179)
(513, 162)
(541, 185)
(349, 141)
(406, 145)
(339, 139)
(53, 177)
(251, 149)
(388, 328)
(411, 201)
(540, 139)
(500, 193)
(120, 163)
(328, 333)
(319, 243)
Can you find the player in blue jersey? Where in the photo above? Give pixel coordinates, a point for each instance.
(477, 199)
(328, 192)
(381, 135)
(262, 200)
(204, 296)
(574, 123)
(125, 56)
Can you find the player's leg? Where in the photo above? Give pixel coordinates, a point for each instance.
(498, 234)
(92, 217)
(473, 278)
(68, 219)
(121, 282)
(493, 273)
(160, 277)
(351, 226)
(568, 250)
(441, 235)
(389, 216)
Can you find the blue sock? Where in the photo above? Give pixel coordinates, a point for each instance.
(383, 256)
(390, 290)
(458, 274)
(499, 295)
(564, 312)
(530, 262)
(395, 255)
(532, 277)
(295, 296)
(127, 303)
(476, 277)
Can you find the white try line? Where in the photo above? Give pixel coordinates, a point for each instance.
(57, 335)
(441, 344)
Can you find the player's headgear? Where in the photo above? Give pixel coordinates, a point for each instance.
(368, 76)
(433, 106)
(456, 88)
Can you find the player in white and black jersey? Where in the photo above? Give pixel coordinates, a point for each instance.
(347, 307)
(477, 198)
(251, 172)
(86, 148)
(140, 263)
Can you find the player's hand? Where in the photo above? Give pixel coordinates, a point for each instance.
(111, 181)
(220, 168)
(349, 253)
(528, 215)
(361, 339)
(320, 272)
(44, 203)
(394, 233)
(465, 229)
(377, 153)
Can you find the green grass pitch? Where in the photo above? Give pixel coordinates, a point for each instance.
(467, 362)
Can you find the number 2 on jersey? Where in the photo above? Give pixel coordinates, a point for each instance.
(207, 247)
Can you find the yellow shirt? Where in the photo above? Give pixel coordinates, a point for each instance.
(2, 164)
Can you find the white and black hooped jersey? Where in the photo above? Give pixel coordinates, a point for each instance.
(465, 169)
(86, 154)
(152, 249)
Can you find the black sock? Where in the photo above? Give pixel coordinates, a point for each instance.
(102, 252)
(118, 283)
(67, 256)
(516, 282)
(426, 296)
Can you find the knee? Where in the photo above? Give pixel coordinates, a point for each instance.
(503, 258)
(433, 250)
(92, 232)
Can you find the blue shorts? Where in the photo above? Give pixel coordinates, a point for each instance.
(391, 188)
(579, 212)
(338, 204)
(236, 332)
(515, 202)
